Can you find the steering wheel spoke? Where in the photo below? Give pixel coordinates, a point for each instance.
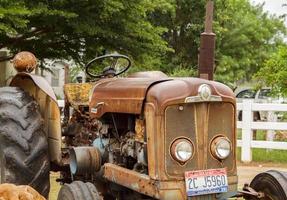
(115, 62)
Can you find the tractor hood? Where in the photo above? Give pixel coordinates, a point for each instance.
(127, 95)
(120, 95)
(187, 90)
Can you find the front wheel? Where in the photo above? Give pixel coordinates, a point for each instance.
(272, 183)
(24, 156)
(79, 190)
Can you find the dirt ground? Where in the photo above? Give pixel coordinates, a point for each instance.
(245, 173)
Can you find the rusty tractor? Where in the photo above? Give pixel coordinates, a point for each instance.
(144, 136)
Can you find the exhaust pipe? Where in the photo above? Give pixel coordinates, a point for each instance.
(85, 160)
(207, 46)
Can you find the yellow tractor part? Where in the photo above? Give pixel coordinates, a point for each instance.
(43, 93)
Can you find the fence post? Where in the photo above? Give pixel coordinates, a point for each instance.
(271, 117)
(247, 119)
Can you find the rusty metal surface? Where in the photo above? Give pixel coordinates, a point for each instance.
(38, 80)
(126, 95)
(223, 125)
(77, 94)
(152, 145)
(165, 190)
(24, 61)
(131, 179)
(207, 46)
(85, 160)
(120, 95)
(39, 88)
(149, 74)
(163, 93)
(200, 123)
(139, 130)
(180, 124)
(249, 192)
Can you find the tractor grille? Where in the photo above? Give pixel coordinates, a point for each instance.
(200, 122)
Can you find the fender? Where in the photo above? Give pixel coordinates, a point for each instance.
(43, 93)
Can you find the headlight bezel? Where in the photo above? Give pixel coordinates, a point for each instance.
(214, 147)
(174, 146)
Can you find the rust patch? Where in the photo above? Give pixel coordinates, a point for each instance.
(38, 80)
(133, 180)
(140, 130)
(120, 95)
(78, 93)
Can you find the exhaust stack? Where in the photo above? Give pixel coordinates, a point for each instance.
(207, 46)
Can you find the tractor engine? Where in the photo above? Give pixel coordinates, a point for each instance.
(115, 138)
(120, 141)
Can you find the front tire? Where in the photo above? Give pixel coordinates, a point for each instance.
(272, 183)
(79, 190)
(24, 156)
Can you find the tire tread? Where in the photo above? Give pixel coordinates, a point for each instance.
(23, 141)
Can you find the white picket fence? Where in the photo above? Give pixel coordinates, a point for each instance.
(248, 125)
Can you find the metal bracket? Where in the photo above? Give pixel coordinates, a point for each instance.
(250, 192)
(95, 109)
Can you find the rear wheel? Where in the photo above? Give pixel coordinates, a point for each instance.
(79, 190)
(23, 145)
(272, 183)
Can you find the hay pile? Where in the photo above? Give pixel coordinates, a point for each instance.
(22, 192)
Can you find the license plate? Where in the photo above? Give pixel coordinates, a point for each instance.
(203, 182)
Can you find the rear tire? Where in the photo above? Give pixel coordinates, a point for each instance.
(272, 183)
(24, 156)
(79, 190)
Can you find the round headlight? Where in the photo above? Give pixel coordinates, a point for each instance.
(221, 148)
(182, 150)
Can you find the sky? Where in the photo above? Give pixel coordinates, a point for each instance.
(273, 6)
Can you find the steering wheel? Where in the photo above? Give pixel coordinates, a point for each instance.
(110, 69)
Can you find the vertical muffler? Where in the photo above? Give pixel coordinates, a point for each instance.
(85, 160)
(207, 46)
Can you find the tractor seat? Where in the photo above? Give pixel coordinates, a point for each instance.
(77, 94)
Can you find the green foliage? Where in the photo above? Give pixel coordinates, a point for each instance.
(157, 34)
(246, 36)
(81, 29)
(74, 72)
(274, 72)
(183, 72)
(12, 15)
(184, 22)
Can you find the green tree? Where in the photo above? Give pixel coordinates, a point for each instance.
(157, 34)
(246, 36)
(184, 22)
(81, 29)
(274, 72)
